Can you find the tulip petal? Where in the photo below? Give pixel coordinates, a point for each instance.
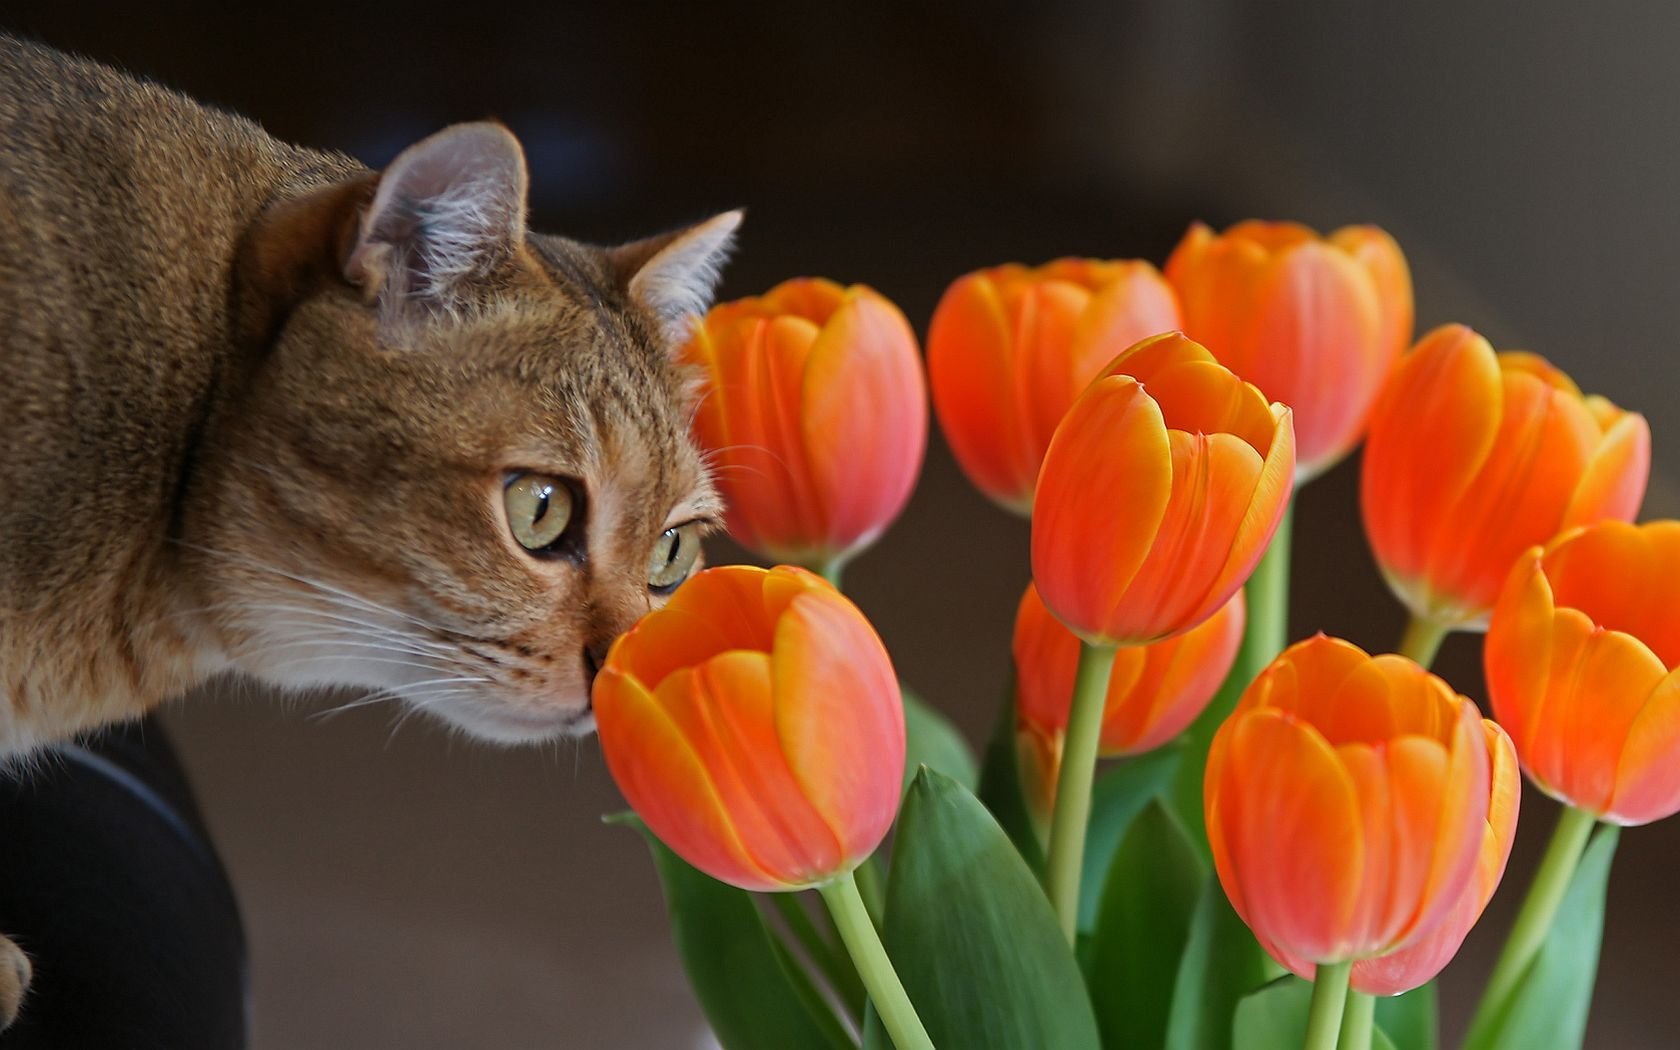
(1265, 510)
(695, 625)
(1520, 496)
(1214, 478)
(864, 420)
(725, 709)
(1135, 304)
(1380, 256)
(830, 671)
(1293, 835)
(663, 778)
(970, 365)
(1599, 682)
(1317, 344)
(1613, 485)
(1177, 680)
(1046, 317)
(1112, 445)
(1433, 426)
(1648, 771)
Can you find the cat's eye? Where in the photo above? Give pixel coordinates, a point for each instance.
(674, 554)
(539, 508)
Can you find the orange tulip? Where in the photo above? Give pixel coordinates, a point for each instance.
(1160, 491)
(1473, 457)
(1010, 348)
(755, 724)
(1350, 801)
(1154, 691)
(1314, 322)
(815, 414)
(1583, 668)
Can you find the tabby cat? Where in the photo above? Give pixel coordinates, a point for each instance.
(268, 412)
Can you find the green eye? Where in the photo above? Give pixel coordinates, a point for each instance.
(539, 508)
(674, 554)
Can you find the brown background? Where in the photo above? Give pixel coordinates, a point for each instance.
(406, 891)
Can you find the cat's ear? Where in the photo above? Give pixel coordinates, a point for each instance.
(673, 275)
(446, 211)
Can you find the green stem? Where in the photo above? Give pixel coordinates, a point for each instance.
(1073, 785)
(1358, 1021)
(835, 967)
(1268, 593)
(831, 571)
(1330, 989)
(1422, 640)
(886, 991)
(1267, 632)
(1545, 893)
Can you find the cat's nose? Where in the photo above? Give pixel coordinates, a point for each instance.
(594, 655)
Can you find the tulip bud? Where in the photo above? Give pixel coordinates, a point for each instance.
(1475, 456)
(1010, 348)
(1313, 322)
(1359, 810)
(1160, 491)
(755, 724)
(1583, 668)
(814, 413)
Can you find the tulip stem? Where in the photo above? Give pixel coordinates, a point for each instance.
(832, 572)
(1357, 1021)
(1330, 989)
(1422, 640)
(886, 991)
(1073, 785)
(1534, 920)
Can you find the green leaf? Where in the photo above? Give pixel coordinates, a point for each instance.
(972, 935)
(1222, 963)
(1273, 1018)
(1409, 1020)
(874, 1032)
(1549, 1008)
(1148, 901)
(1000, 789)
(1118, 796)
(754, 995)
(931, 740)
(1380, 1040)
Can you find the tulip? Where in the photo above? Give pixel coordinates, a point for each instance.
(1010, 348)
(1583, 668)
(1160, 491)
(1153, 692)
(814, 414)
(756, 726)
(1314, 322)
(1352, 803)
(1475, 456)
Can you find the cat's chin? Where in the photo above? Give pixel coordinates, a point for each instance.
(499, 725)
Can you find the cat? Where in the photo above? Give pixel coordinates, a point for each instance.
(266, 411)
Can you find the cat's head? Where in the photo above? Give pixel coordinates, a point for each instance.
(460, 465)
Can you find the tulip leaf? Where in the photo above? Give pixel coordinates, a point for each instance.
(1000, 789)
(972, 934)
(1142, 927)
(754, 994)
(1548, 1011)
(930, 739)
(1222, 963)
(1409, 1019)
(1273, 1017)
(1119, 795)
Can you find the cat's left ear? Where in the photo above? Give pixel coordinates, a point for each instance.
(446, 211)
(673, 275)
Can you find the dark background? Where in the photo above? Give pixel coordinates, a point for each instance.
(404, 890)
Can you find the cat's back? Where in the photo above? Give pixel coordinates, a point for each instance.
(122, 205)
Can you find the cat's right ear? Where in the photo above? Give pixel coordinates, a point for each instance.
(445, 213)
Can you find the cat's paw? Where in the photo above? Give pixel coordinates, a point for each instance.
(15, 973)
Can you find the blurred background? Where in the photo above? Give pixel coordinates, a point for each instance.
(403, 890)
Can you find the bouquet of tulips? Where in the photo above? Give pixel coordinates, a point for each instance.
(1295, 839)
